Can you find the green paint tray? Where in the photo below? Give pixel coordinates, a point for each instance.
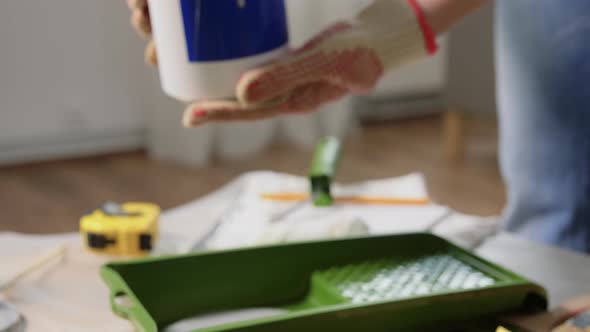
(408, 282)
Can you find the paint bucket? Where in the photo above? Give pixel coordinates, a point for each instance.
(204, 46)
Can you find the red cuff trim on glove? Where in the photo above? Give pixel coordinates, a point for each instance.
(429, 35)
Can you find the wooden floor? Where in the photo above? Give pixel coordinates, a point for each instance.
(50, 197)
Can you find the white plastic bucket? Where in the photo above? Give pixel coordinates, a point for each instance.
(204, 46)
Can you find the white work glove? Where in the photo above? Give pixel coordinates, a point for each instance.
(350, 57)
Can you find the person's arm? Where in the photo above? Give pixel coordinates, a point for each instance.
(440, 14)
(348, 58)
(443, 14)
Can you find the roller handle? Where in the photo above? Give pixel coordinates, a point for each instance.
(323, 170)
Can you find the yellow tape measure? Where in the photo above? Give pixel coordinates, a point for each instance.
(129, 229)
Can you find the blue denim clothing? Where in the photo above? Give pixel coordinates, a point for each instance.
(543, 64)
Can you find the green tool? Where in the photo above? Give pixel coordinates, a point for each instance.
(323, 170)
(414, 282)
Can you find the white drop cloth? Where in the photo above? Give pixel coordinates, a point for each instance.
(69, 295)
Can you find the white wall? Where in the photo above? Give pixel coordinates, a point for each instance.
(472, 76)
(71, 78)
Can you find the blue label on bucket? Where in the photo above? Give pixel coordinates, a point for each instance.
(219, 30)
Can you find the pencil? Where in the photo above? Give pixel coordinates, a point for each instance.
(361, 200)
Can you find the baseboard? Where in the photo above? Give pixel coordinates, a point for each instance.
(383, 108)
(71, 146)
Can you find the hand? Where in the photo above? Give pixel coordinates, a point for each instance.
(305, 80)
(140, 20)
(547, 321)
(350, 57)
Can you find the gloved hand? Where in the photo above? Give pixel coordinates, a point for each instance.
(348, 58)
